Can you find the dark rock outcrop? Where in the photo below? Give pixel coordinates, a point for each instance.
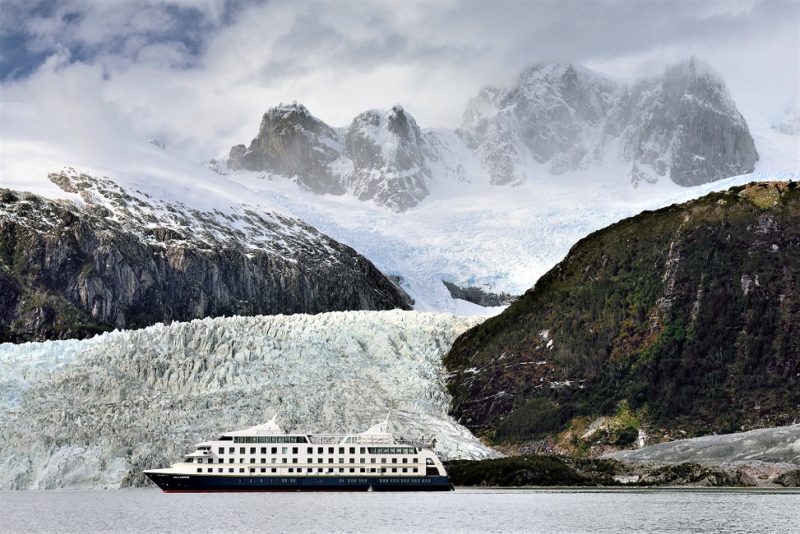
(69, 271)
(685, 319)
(789, 479)
(478, 295)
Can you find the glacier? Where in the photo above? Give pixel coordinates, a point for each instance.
(93, 413)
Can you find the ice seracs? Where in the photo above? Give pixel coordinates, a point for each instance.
(96, 412)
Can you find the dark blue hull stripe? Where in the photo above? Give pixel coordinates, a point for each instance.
(187, 483)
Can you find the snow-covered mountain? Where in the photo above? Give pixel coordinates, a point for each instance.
(789, 123)
(94, 413)
(682, 124)
(464, 230)
(557, 118)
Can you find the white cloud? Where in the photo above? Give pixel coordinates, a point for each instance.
(202, 84)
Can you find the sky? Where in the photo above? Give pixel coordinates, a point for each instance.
(198, 74)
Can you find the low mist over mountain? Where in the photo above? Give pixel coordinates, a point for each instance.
(682, 319)
(682, 126)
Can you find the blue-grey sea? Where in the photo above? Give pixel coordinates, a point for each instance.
(465, 510)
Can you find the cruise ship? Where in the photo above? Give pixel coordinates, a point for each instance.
(263, 458)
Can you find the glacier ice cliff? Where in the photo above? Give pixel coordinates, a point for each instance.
(93, 413)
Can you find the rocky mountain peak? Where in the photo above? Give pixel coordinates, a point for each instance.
(387, 149)
(682, 124)
(293, 142)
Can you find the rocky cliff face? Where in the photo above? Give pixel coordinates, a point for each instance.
(125, 260)
(294, 143)
(679, 320)
(95, 413)
(682, 125)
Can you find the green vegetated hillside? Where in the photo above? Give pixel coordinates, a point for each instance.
(686, 319)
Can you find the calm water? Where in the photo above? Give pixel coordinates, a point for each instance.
(466, 510)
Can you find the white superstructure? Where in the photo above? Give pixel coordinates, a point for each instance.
(265, 451)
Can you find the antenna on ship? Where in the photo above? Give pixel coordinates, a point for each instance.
(386, 421)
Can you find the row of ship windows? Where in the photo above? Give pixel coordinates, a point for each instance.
(308, 460)
(320, 450)
(319, 470)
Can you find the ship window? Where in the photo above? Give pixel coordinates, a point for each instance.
(330, 470)
(320, 449)
(199, 469)
(219, 470)
(263, 450)
(231, 450)
(310, 461)
(320, 470)
(252, 450)
(286, 460)
(341, 469)
(273, 470)
(341, 460)
(352, 469)
(274, 460)
(284, 450)
(241, 450)
(405, 460)
(310, 470)
(230, 460)
(361, 450)
(405, 470)
(252, 470)
(210, 470)
(362, 469)
(222, 450)
(189, 460)
(230, 470)
(294, 460)
(414, 460)
(352, 450)
(225, 438)
(341, 450)
(263, 470)
(330, 460)
(352, 460)
(241, 469)
(294, 450)
(252, 460)
(199, 460)
(241, 460)
(274, 450)
(330, 450)
(373, 460)
(263, 460)
(371, 469)
(291, 470)
(394, 470)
